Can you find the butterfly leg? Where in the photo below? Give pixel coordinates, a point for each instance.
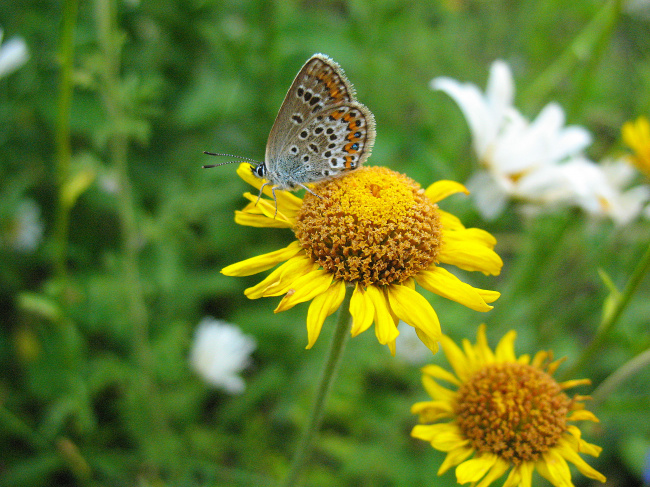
(261, 191)
(309, 190)
(275, 200)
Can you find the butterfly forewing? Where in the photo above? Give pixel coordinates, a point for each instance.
(319, 85)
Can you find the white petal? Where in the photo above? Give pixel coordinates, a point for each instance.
(13, 54)
(500, 90)
(220, 351)
(475, 109)
(489, 197)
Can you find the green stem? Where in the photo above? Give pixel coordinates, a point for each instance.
(340, 338)
(612, 318)
(585, 50)
(111, 47)
(62, 137)
(623, 373)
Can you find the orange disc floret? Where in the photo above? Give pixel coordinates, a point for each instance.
(376, 228)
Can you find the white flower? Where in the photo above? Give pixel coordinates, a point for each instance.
(409, 346)
(220, 352)
(600, 189)
(23, 231)
(519, 158)
(13, 54)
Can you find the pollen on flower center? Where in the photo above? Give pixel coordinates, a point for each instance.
(373, 226)
(513, 410)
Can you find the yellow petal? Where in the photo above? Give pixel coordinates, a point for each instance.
(362, 310)
(432, 411)
(580, 445)
(505, 351)
(262, 262)
(469, 255)
(521, 475)
(449, 221)
(454, 457)
(456, 358)
(514, 477)
(445, 284)
(482, 348)
(477, 235)
(554, 469)
(411, 307)
(539, 359)
(282, 279)
(442, 436)
(572, 456)
(436, 391)
(260, 220)
(267, 208)
(473, 470)
(385, 325)
(526, 469)
(497, 470)
(487, 295)
(575, 383)
(441, 189)
(439, 373)
(306, 288)
(321, 307)
(583, 415)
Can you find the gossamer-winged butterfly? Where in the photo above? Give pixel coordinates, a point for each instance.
(321, 131)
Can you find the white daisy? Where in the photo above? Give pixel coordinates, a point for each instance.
(601, 189)
(518, 157)
(13, 54)
(220, 352)
(23, 230)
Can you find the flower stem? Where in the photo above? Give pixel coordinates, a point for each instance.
(585, 50)
(611, 318)
(619, 376)
(328, 374)
(110, 44)
(62, 137)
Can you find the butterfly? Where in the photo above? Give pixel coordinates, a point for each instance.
(321, 131)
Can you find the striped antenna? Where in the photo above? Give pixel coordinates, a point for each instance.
(229, 162)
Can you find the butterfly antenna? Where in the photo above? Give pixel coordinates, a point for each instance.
(208, 166)
(230, 155)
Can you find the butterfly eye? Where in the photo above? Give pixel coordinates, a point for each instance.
(259, 170)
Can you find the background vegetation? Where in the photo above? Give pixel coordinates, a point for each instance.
(104, 130)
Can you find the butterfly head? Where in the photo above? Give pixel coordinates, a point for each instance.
(259, 170)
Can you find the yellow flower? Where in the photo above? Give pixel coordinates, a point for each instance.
(637, 136)
(506, 412)
(378, 231)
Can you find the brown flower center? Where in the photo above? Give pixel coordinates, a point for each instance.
(513, 410)
(373, 226)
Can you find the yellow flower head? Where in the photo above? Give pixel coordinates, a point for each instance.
(636, 135)
(506, 412)
(376, 230)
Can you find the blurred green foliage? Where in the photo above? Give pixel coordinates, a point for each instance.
(97, 320)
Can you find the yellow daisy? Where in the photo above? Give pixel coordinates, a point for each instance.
(378, 231)
(637, 136)
(506, 412)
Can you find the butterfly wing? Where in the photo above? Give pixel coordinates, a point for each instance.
(320, 84)
(335, 140)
